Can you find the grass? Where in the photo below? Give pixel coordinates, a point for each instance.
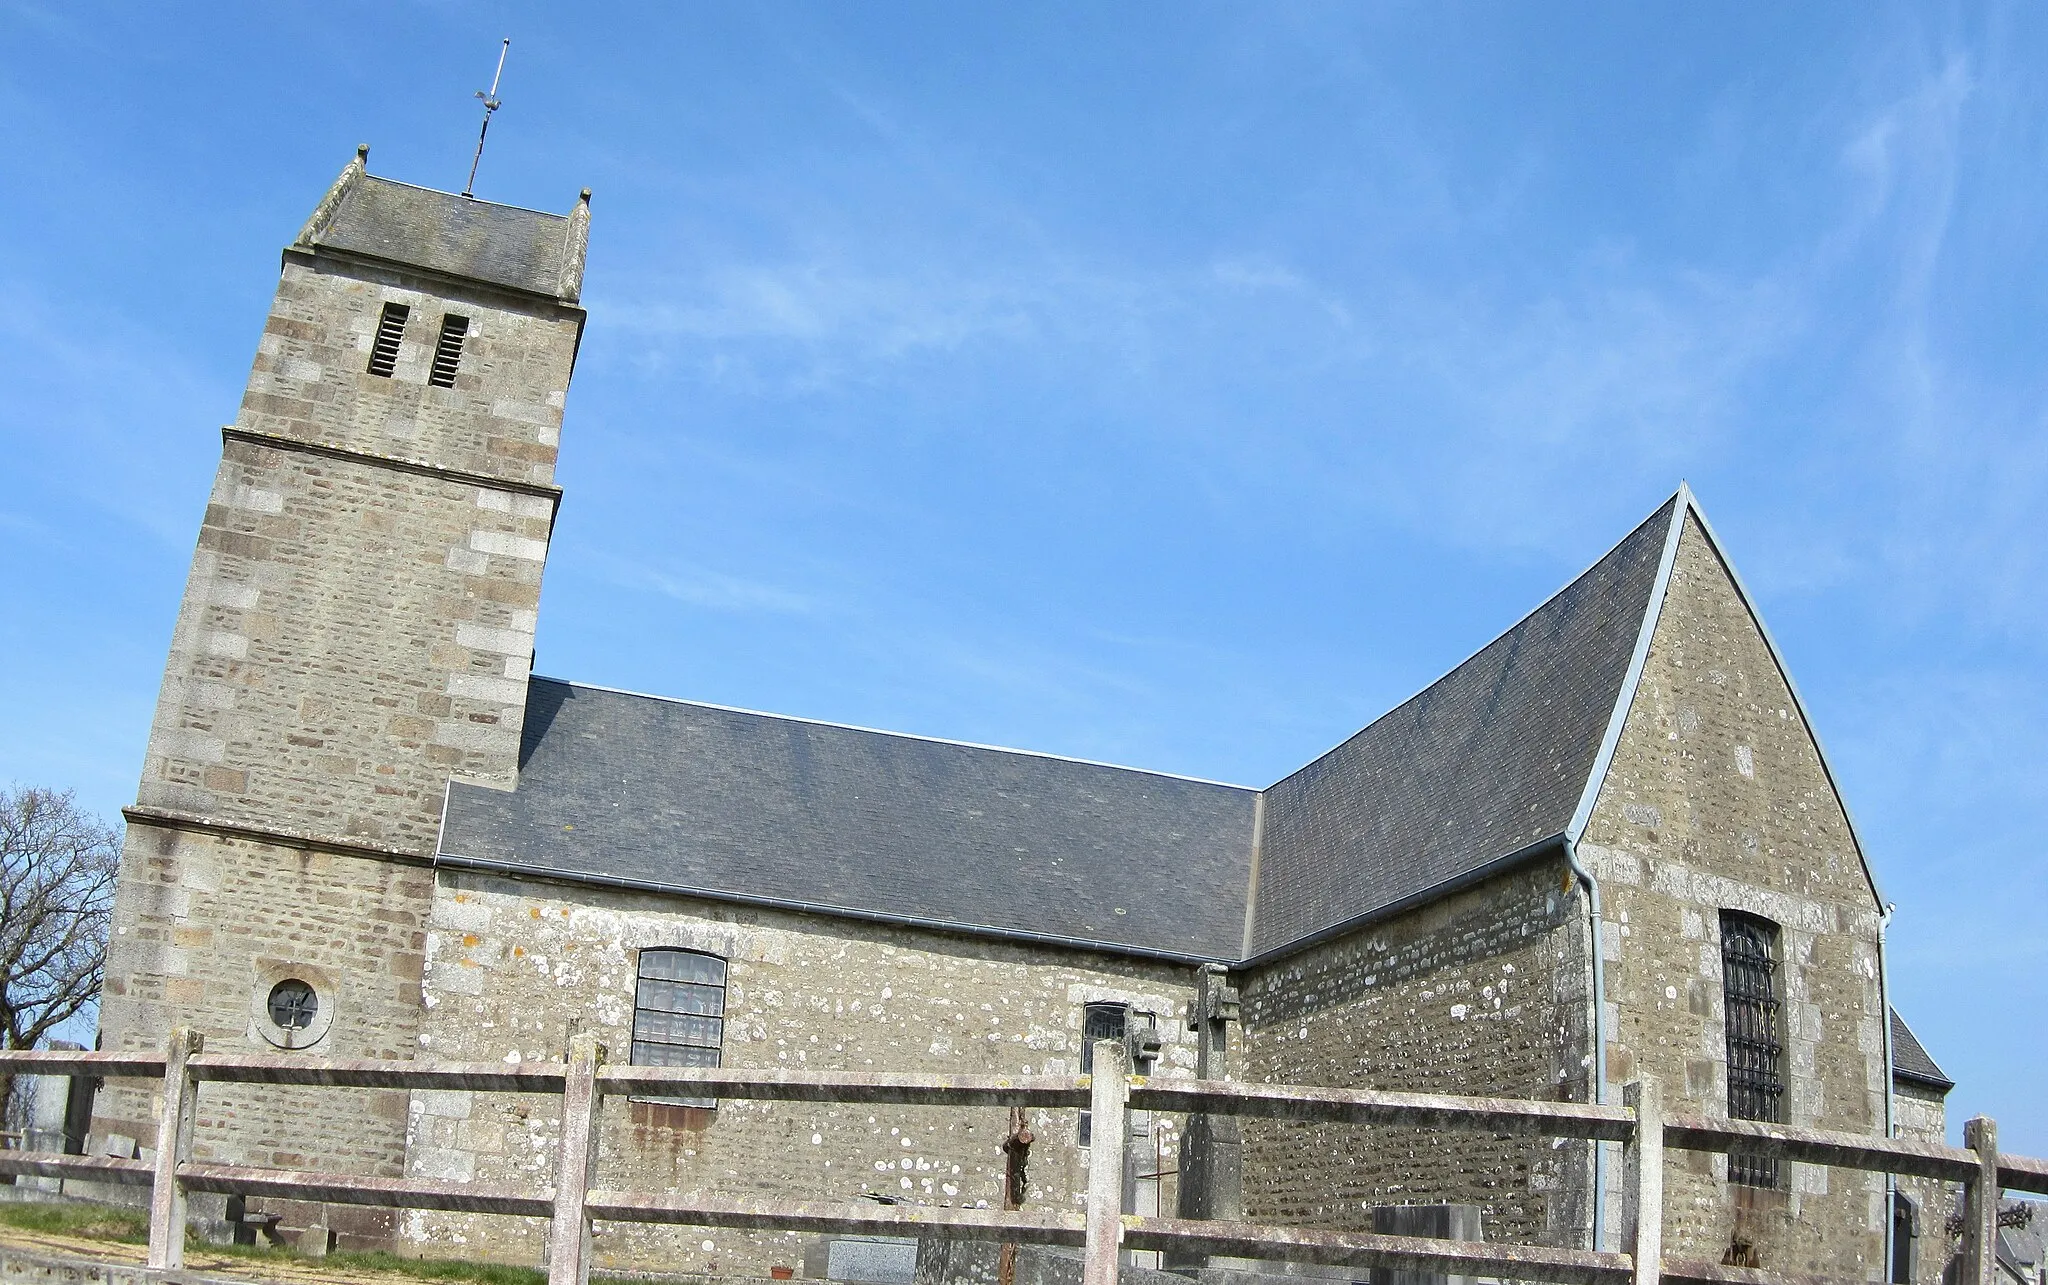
(99, 1222)
(90, 1222)
(346, 1262)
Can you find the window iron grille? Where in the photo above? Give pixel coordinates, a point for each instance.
(293, 1005)
(1756, 1078)
(1098, 1022)
(679, 1014)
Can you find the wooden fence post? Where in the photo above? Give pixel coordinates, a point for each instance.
(576, 1166)
(1109, 1092)
(1980, 1205)
(173, 1148)
(1642, 1176)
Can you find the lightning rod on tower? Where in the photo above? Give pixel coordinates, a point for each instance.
(490, 98)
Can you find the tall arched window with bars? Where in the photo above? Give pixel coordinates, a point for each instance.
(1749, 993)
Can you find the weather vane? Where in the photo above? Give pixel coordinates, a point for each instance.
(490, 98)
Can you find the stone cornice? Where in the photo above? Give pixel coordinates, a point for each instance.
(166, 819)
(231, 433)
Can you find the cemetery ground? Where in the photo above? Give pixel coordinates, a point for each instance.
(77, 1230)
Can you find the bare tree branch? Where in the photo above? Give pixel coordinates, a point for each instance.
(57, 868)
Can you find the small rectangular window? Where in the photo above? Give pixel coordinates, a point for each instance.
(448, 351)
(679, 1013)
(1749, 991)
(1099, 1022)
(384, 348)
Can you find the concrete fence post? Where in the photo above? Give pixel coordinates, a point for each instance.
(173, 1148)
(1980, 1205)
(576, 1166)
(1642, 1176)
(1109, 1094)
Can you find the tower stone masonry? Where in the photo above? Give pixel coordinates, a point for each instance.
(356, 631)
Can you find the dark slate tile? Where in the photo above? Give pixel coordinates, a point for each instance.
(1485, 761)
(670, 793)
(1910, 1059)
(401, 223)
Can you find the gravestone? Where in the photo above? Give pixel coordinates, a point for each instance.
(871, 1260)
(1439, 1222)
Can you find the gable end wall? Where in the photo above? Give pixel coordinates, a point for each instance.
(1717, 799)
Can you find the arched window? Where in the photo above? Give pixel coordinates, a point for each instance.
(1749, 993)
(679, 1013)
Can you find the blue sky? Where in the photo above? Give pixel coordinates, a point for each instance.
(1180, 386)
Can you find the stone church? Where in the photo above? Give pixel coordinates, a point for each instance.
(1605, 847)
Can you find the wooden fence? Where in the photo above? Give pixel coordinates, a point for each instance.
(584, 1079)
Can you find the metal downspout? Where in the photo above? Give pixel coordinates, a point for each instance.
(1592, 886)
(1891, 1129)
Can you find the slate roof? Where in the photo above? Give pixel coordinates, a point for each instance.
(642, 791)
(1910, 1060)
(1484, 764)
(1486, 761)
(457, 235)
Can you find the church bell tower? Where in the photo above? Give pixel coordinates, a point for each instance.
(355, 632)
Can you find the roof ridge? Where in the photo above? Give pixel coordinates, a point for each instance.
(457, 196)
(907, 736)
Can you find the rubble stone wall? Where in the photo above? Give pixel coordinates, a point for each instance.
(1717, 799)
(1483, 992)
(1921, 1113)
(512, 963)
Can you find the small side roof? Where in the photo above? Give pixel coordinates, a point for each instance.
(639, 791)
(455, 236)
(1910, 1060)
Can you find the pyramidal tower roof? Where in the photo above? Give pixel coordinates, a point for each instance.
(456, 236)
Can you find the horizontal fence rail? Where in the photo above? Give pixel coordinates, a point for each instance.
(1901, 1156)
(847, 1086)
(583, 1081)
(1366, 1106)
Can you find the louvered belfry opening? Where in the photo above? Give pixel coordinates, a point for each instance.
(448, 351)
(1756, 1077)
(384, 348)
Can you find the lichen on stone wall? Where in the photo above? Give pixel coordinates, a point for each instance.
(512, 964)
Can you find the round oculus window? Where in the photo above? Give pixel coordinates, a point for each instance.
(293, 1005)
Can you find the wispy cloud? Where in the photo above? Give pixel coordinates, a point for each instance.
(81, 381)
(705, 589)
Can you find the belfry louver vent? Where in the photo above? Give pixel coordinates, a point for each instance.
(448, 351)
(390, 329)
